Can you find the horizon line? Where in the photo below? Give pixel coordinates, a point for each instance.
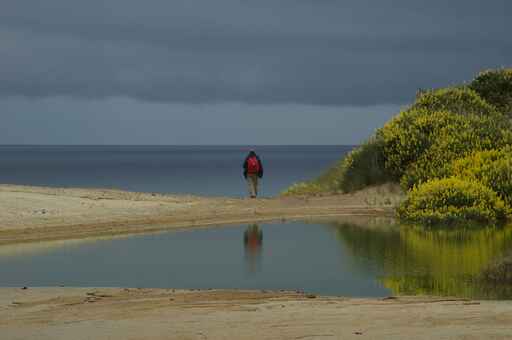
(175, 145)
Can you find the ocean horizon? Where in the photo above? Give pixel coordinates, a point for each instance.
(210, 170)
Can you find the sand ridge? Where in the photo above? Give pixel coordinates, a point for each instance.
(32, 214)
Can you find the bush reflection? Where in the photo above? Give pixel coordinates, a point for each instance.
(419, 261)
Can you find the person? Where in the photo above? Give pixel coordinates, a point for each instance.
(253, 170)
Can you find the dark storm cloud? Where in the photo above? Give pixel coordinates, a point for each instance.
(309, 52)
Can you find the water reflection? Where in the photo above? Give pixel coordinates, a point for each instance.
(361, 256)
(253, 241)
(418, 261)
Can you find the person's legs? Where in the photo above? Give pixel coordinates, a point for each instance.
(252, 182)
(255, 183)
(250, 186)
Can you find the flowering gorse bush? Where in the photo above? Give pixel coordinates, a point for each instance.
(454, 136)
(451, 150)
(460, 100)
(418, 144)
(493, 168)
(495, 87)
(452, 201)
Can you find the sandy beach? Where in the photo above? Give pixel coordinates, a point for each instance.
(30, 215)
(33, 214)
(115, 313)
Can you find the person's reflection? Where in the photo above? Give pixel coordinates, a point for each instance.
(253, 240)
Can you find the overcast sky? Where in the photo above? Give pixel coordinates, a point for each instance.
(232, 72)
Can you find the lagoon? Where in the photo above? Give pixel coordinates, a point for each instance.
(357, 257)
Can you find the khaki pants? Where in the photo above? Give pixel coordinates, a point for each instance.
(252, 182)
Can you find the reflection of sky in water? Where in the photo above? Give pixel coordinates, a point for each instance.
(357, 257)
(43, 247)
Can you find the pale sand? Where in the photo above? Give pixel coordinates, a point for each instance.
(32, 214)
(114, 313)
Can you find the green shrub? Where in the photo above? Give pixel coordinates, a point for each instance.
(327, 183)
(461, 100)
(495, 87)
(442, 148)
(455, 141)
(362, 167)
(452, 201)
(419, 144)
(412, 133)
(305, 189)
(405, 137)
(493, 168)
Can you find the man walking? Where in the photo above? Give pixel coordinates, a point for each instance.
(253, 170)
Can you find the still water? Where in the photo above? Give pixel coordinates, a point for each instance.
(354, 257)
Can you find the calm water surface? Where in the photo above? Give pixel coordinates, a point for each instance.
(356, 257)
(200, 170)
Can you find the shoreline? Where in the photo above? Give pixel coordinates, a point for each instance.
(77, 215)
(34, 214)
(121, 313)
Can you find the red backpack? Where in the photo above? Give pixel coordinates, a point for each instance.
(253, 165)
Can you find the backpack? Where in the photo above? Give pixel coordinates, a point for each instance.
(253, 165)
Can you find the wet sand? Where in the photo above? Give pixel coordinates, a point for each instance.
(115, 313)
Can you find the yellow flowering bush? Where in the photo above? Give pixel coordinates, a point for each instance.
(495, 87)
(452, 201)
(457, 137)
(492, 168)
(418, 144)
(452, 149)
(405, 137)
(461, 100)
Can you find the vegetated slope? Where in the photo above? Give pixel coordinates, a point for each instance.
(450, 151)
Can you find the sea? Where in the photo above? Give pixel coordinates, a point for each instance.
(197, 170)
